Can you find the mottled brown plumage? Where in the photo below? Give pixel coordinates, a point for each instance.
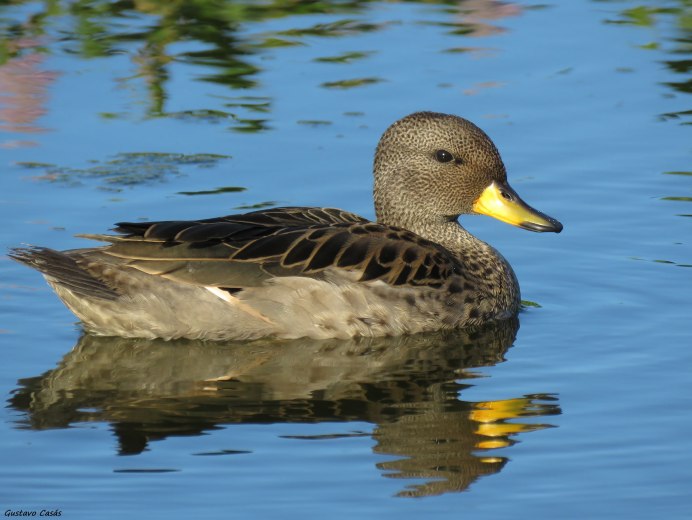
(319, 272)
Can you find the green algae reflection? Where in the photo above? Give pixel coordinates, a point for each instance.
(125, 169)
(217, 191)
(351, 83)
(346, 57)
(679, 48)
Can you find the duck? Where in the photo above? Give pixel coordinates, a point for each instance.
(292, 272)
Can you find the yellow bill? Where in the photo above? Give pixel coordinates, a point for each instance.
(500, 201)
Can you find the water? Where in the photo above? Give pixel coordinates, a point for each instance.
(154, 110)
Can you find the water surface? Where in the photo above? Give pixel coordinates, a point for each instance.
(157, 110)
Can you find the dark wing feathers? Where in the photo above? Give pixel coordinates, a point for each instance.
(268, 246)
(292, 216)
(328, 249)
(267, 218)
(243, 250)
(65, 270)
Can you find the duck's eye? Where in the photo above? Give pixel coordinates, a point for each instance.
(443, 156)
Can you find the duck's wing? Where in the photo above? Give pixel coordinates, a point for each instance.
(245, 224)
(239, 251)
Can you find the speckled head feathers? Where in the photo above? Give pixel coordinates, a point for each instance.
(433, 165)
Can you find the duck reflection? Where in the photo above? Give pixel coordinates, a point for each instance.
(407, 387)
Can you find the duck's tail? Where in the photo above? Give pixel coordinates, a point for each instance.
(64, 270)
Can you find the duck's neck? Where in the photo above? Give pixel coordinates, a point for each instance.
(447, 233)
(483, 264)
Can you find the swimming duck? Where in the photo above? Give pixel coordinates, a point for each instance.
(317, 272)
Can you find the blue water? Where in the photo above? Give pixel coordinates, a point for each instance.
(110, 112)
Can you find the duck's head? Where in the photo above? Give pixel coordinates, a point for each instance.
(431, 166)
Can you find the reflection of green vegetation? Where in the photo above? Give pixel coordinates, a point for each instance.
(338, 28)
(682, 86)
(239, 124)
(677, 173)
(147, 30)
(661, 261)
(200, 159)
(248, 126)
(217, 191)
(670, 262)
(253, 104)
(680, 66)
(30, 165)
(455, 28)
(676, 115)
(212, 36)
(92, 36)
(465, 50)
(650, 46)
(649, 16)
(314, 122)
(110, 115)
(126, 169)
(269, 43)
(350, 83)
(347, 57)
(678, 199)
(258, 205)
(643, 15)
(200, 115)
(250, 103)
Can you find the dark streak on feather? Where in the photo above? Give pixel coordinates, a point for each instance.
(373, 271)
(327, 252)
(403, 276)
(421, 273)
(354, 254)
(410, 255)
(267, 247)
(388, 253)
(300, 252)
